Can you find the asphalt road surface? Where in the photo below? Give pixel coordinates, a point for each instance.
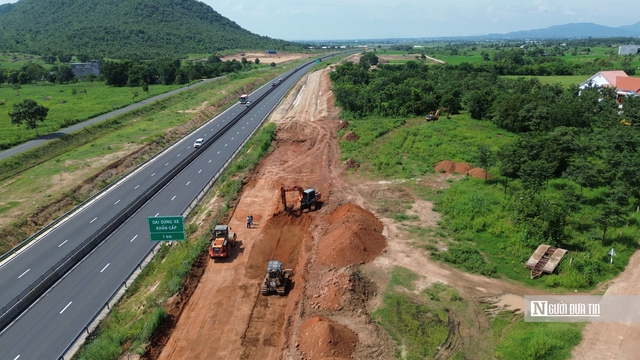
(54, 321)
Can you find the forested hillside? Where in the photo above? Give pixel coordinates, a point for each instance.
(134, 29)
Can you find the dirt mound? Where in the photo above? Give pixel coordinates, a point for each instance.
(350, 136)
(450, 167)
(479, 173)
(354, 237)
(343, 125)
(350, 164)
(322, 338)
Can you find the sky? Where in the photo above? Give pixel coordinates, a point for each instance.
(380, 19)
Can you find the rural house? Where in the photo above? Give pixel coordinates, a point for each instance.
(625, 85)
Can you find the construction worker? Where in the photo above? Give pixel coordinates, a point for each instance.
(249, 222)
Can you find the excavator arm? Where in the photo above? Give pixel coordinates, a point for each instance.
(285, 189)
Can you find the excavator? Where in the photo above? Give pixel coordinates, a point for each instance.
(307, 198)
(433, 115)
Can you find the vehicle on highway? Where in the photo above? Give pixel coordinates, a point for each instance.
(248, 103)
(244, 98)
(198, 143)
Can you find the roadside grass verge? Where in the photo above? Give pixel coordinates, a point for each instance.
(132, 322)
(480, 230)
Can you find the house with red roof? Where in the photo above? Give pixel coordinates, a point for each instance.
(624, 84)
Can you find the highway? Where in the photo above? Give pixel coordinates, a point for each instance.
(54, 321)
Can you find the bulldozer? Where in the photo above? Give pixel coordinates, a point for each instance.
(222, 242)
(433, 115)
(277, 279)
(308, 198)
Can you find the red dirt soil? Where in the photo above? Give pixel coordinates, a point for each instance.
(354, 237)
(350, 136)
(321, 337)
(450, 167)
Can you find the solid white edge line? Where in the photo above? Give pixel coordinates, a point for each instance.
(23, 273)
(65, 308)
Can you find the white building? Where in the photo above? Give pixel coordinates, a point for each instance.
(628, 50)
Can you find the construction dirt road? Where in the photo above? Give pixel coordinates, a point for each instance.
(326, 313)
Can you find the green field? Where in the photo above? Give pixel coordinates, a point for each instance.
(571, 80)
(65, 107)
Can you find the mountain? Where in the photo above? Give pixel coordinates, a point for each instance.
(123, 29)
(576, 30)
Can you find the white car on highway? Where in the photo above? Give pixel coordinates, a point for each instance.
(198, 143)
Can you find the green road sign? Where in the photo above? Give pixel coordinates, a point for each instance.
(166, 228)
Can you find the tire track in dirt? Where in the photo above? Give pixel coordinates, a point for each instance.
(283, 236)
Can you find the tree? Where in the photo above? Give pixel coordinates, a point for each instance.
(65, 74)
(64, 58)
(83, 57)
(257, 61)
(485, 158)
(273, 64)
(28, 112)
(145, 87)
(479, 103)
(610, 215)
(49, 59)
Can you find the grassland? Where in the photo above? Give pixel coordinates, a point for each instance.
(66, 108)
(478, 223)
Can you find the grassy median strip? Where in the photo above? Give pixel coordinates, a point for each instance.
(130, 324)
